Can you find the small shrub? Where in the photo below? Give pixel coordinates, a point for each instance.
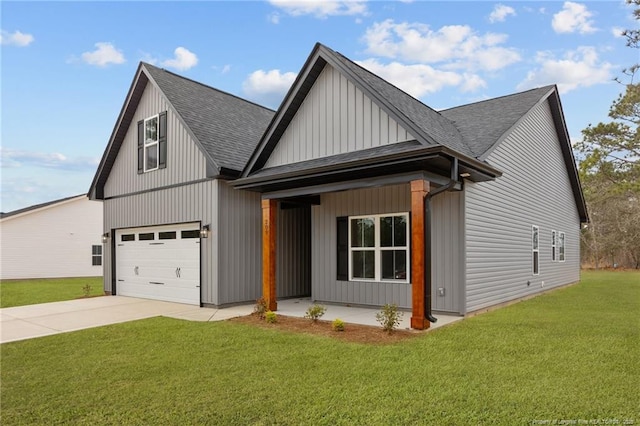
(337, 325)
(86, 289)
(315, 312)
(260, 307)
(389, 317)
(270, 317)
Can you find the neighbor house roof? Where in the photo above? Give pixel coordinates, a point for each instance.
(41, 206)
(225, 127)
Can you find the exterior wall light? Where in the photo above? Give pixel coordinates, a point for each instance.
(204, 232)
(465, 175)
(105, 237)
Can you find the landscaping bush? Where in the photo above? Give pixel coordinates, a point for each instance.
(315, 312)
(337, 325)
(270, 317)
(389, 317)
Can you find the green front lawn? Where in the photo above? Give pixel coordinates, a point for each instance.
(29, 292)
(573, 354)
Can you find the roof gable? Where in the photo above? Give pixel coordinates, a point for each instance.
(225, 127)
(428, 126)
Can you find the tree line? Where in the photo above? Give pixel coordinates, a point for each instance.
(609, 167)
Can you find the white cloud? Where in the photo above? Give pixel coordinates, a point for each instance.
(574, 17)
(16, 38)
(321, 8)
(268, 87)
(12, 158)
(458, 46)
(419, 80)
(500, 13)
(617, 32)
(183, 60)
(578, 68)
(105, 54)
(274, 18)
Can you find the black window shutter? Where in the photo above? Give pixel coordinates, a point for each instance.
(140, 146)
(343, 248)
(162, 140)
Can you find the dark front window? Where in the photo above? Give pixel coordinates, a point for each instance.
(96, 255)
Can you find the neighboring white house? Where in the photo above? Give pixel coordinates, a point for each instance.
(61, 238)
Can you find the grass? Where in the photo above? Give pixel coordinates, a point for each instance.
(29, 292)
(573, 354)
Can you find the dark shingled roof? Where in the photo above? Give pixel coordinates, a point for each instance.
(484, 123)
(37, 206)
(227, 127)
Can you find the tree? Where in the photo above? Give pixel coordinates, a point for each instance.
(610, 173)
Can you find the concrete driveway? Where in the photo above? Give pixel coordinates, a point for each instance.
(27, 322)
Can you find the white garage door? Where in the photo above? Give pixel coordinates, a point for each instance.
(160, 262)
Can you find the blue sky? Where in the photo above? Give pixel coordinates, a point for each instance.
(66, 67)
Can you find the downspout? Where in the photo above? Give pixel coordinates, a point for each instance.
(427, 237)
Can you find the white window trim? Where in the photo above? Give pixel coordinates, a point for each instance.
(535, 248)
(149, 145)
(563, 246)
(554, 246)
(378, 249)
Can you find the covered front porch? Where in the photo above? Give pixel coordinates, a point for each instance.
(297, 307)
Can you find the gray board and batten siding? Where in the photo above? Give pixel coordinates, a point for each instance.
(336, 117)
(231, 270)
(534, 190)
(447, 268)
(182, 193)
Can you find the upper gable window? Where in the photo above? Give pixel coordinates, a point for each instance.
(152, 143)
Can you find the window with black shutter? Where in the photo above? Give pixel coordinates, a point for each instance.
(343, 248)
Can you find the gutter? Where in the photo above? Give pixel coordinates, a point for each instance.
(427, 237)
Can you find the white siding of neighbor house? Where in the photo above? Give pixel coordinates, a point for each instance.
(335, 117)
(51, 242)
(185, 161)
(446, 251)
(533, 190)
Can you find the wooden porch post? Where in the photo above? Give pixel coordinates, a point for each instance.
(269, 209)
(419, 189)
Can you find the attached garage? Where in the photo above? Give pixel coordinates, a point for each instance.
(160, 262)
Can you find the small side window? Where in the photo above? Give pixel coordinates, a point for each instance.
(561, 249)
(96, 255)
(535, 250)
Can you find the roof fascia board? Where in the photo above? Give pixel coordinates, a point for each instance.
(569, 159)
(210, 160)
(515, 125)
(286, 104)
(43, 208)
(357, 184)
(92, 193)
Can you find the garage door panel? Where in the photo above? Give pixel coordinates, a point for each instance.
(162, 269)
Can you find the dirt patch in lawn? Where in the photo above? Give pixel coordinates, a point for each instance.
(355, 333)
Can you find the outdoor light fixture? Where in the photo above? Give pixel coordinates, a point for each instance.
(465, 175)
(105, 237)
(204, 232)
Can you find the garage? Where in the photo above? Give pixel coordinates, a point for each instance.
(159, 262)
